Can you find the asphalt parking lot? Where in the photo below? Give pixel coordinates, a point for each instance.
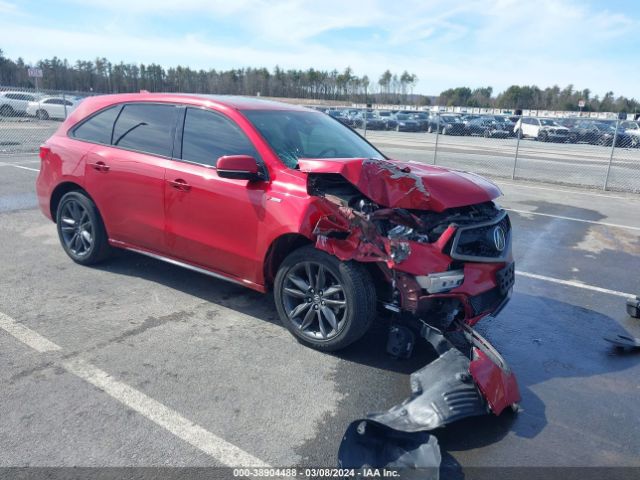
(140, 363)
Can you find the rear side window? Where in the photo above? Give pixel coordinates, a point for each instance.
(208, 136)
(146, 128)
(98, 128)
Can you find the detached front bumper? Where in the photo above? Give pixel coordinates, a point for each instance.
(450, 388)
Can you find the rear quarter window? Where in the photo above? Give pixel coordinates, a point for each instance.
(146, 128)
(97, 128)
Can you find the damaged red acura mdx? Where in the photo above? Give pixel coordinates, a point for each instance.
(274, 196)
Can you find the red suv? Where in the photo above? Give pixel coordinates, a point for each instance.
(270, 195)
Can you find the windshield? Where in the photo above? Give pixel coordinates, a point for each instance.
(421, 116)
(544, 121)
(450, 119)
(298, 134)
(403, 116)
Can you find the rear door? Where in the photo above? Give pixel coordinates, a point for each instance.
(125, 175)
(212, 221)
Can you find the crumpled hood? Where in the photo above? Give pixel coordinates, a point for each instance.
(396, 184)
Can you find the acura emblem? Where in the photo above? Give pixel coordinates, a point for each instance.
(499, 239)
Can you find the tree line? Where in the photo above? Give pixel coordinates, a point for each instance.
(102, 76)
(533, 97)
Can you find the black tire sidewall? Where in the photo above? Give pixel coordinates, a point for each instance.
(100, 247)
(358, 291)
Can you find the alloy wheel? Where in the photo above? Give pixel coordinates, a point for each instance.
(314, 300)
(77, 228)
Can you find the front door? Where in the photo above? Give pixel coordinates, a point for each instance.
(211, 221)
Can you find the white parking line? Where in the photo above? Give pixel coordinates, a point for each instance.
(573, 283)
(24, 168)
(616, 225)
(26, 335)
(169, 419)
(564, 190)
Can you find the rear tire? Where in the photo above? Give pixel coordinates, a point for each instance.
(42, 114)
(81, 230)
(300, 293)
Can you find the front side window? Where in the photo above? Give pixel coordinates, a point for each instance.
(208, 136)
(300, 134)
(98, 128)
(146, 127)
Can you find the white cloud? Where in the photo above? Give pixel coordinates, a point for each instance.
(477, 43)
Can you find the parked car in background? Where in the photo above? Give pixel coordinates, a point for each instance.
(406, 123)
(466, 118)
(570, 123)
(487, 127)
(340, 116)
(601, 132)
(15, 103)
(446, 124)
(542, 129)
(632, 128)
(388, 118)
(506, 121)
(423, 120)
(373, 122)
(51, 107)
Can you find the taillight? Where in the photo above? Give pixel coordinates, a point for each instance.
(44, 151)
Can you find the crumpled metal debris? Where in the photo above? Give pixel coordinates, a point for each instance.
(368, 444)
(623, 341)
(450, 388)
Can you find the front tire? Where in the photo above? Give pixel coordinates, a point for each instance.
(81, 230)
(325, 303)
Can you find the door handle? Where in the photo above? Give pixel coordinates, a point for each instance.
(100, 166)
(180, 184)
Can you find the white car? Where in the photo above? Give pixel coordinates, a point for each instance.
(51, 107)
(632, 128)
(15, 103)
(543, 129)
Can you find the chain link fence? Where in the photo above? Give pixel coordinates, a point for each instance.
(579, 151)
(594, 152)
(29, 117)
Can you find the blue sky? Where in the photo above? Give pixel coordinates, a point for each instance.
(473, 43)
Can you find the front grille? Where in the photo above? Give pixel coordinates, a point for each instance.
(481, 242)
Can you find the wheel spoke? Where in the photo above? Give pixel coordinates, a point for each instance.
(307, 269)
(331, 318)
(299, 282)
(323, 329)
(86, 240)
(68, 221)
(295, 293)
(332, 290)
(299, 309)
(74, 242)
(320, 278)
(308, 319)
(335, 303)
